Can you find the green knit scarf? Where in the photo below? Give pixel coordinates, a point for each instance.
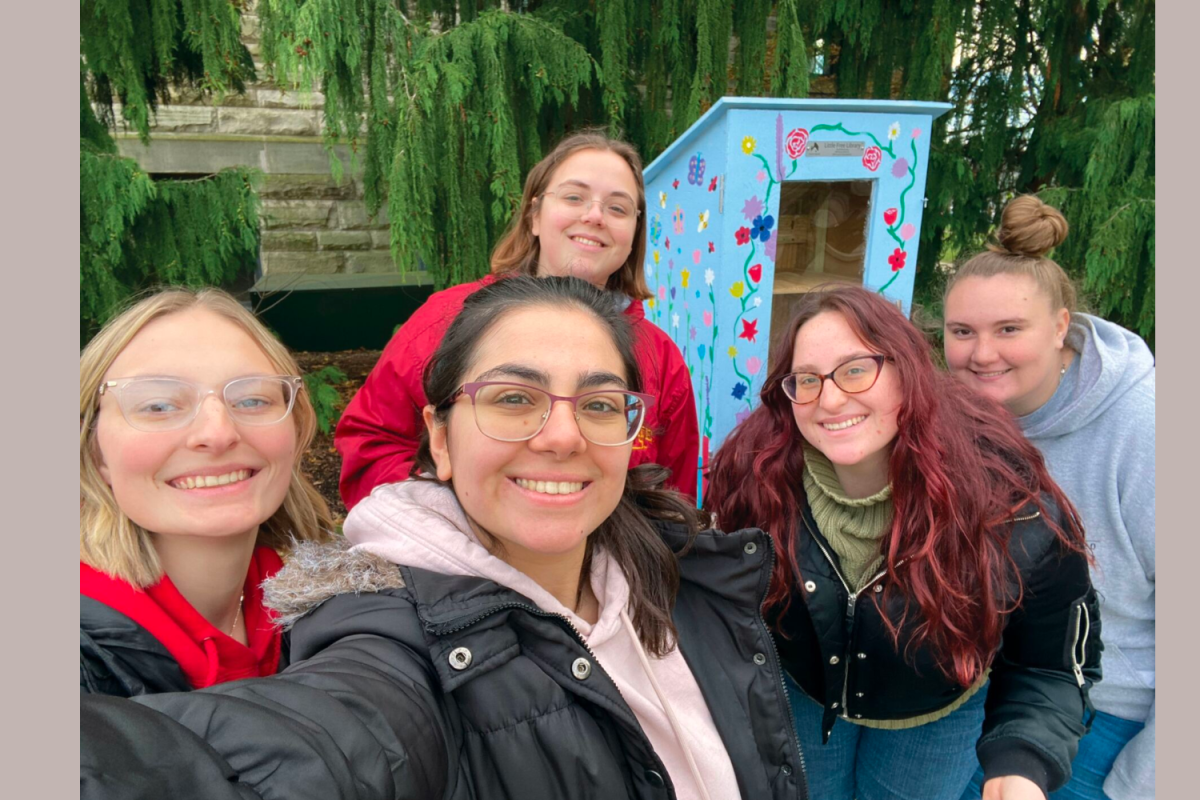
(853, 527)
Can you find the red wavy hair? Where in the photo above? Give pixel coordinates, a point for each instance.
(960, 468)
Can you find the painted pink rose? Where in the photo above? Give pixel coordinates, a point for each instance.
(872, 158)
(797, 142)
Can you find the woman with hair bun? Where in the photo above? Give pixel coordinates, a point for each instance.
(1082, 390)
(931, 598)
(192, 423)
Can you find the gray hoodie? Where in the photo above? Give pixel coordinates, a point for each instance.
(1097, 435)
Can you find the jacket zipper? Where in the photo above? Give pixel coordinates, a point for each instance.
(779, 670)
(851, 604)
(1082, 620)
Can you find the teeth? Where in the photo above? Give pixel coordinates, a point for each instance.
(991, 374)
(550, 487)
(204, 481)
(838, 426)
(586, 240)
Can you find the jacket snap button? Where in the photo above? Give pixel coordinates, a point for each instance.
(460, 658)
(878, 588)
(861, 656)
(786, 769)
(581, 668)
(751, 548)
(810, 586)
(654, 779)
(834, 659)
(760, 659)
(835, 704)
(859, 694)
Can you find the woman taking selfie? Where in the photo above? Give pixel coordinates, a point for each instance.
(529, 618)
(1082, 390)
(923, 548)
(192, 423)
(583, 213)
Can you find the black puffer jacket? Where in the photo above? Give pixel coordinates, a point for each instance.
(840, 653)
(378, 704)
(119, 657)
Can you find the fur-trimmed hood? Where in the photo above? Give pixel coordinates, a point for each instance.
(316, 572)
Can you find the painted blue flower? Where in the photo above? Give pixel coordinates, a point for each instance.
(761, 227)
(739, 390)
(701, 349)
(656, 229)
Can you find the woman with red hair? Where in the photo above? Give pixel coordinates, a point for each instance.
(932, 598)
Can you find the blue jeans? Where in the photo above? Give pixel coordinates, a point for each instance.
(1097, 752)
(929, 762)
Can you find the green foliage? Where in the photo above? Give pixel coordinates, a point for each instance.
(322, 391)
(136, 232)
(449, 102)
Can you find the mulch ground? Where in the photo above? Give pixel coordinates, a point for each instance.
(322, 463)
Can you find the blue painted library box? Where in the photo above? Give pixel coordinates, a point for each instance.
(761, 200)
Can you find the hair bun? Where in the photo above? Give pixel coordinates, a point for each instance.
(1029, 227)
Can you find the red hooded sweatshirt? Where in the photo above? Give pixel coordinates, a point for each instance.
(206, 655)
(381, 427)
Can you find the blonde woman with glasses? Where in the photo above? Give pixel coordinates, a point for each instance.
(192, 423)
(583, 214)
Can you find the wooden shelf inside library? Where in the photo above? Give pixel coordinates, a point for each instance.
(799, 283)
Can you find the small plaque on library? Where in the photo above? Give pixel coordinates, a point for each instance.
(843, 149)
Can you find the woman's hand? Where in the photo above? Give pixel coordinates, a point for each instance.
(1012, 787)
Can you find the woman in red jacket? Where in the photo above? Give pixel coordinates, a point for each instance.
(583, 213)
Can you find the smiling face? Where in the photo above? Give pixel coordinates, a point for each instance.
(590, 245)
(565, 352)
(1004, 339)
(149, 472)
(854, 431)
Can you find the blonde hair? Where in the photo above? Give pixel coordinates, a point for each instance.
(1028, 230)
(518, 250)
(111, 542)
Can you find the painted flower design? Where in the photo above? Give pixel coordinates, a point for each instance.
(674, 320)
(752, 208)
(738, 289)
(677, 218)
(749, 330)
(650, 303)
(757, 302)
(753, 365)
(760, 176)
(755, 273)
(732, 351)
(712, 248)
(742, 235)
(900, 167)
(907, 231)
(748, 145)
(655, 228)
(696, 256)
(662, 199)
(673, 291)
(692, 333)
(896, 259)
(708, 319)
(872, 158)
(703, 221)
(712, 185)
(695, 169)
(662, 292)
(797, 142)
(675, 183)
(741, 416)
(890, 215)
(761, 227)
(701, 350)
(916, 132)
(769, 248)
(739, 390)
(685, 275)
(893, 131)
(709, 277)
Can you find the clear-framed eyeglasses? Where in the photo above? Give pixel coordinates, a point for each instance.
(618, 209)
(514, 412)
(852, 377)
(155, 404)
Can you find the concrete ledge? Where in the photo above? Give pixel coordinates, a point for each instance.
(203, 154)
(363, 280)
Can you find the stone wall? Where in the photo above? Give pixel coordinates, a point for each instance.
(312, 225)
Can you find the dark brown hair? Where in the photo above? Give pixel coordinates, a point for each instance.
(628, 534)
(518, 250)
(1029, 228)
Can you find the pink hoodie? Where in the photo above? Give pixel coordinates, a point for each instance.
(420, 524)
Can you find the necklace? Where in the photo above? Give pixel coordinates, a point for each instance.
(237, 614)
